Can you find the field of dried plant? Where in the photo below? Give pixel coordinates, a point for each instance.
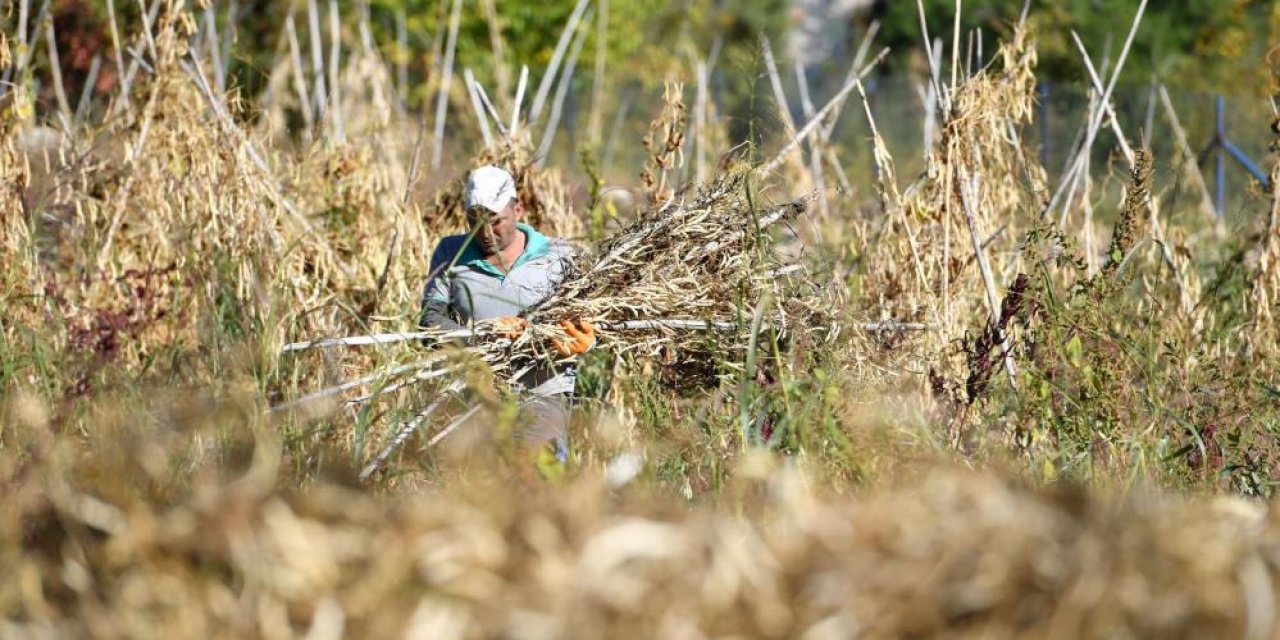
(981, 401)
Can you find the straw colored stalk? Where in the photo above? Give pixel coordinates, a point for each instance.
(931, 227)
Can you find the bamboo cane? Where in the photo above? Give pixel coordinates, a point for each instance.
(831, 106)
(116, 46)
(596, 120)
(481, 116)
(553, 122)
(335, 86)
(55, 68)
(544, 86)
(86, 93)
(321, 98)
(442, 100)
(300, 76)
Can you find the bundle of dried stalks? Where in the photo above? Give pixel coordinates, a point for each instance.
(692, 284)
(707, 256)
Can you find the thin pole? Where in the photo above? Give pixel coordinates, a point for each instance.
(515, 107)
(969, 198)
(1220, 197)
(1044, 125)
(1095, 118)
(442, 99)
(402, 56)
(86, 93)
(115, 46)
(317, 58)
(1189, 158)
(832, 105)
(700, 124)
(544, 86)
(335, 47)
(594, 131)
(300, 76)
(55, 66)
(481, 117)
(566, 78)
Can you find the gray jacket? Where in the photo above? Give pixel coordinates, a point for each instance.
(464, 287)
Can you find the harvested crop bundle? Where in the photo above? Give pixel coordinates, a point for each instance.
(685, 267)
(691, 284)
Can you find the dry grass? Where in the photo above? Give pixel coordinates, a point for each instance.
(956, 555)
(788, 474)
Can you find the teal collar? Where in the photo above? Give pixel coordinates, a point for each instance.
(536, 245)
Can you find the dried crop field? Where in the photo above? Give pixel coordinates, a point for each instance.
(979, 401)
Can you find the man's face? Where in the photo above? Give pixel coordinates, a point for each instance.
(495, 231)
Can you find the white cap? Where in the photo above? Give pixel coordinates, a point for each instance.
(490, 187)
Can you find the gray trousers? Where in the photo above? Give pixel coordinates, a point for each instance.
(545, 419)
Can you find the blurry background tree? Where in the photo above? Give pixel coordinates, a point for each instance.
(1202, 45)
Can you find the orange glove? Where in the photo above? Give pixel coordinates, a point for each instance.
(510, 327)
(582, 336)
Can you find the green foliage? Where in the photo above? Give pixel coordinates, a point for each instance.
(645, 39)
(1195, 44)
(1114, 382)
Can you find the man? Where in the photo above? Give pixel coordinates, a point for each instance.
(493, 274)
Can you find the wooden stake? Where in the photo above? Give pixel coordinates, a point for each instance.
(300, 77)
(1189, 161)
(831, 106)
(815, 153)
(27, 40)
(489, 108)
(700, 124)
(410, 427)
(515, 107)
(55, 67)
(211, 43)
(86, 93)
(955, 47)
(135, 56)
(859, 58)
(481, 116)
(544, 87)
(934, 73)
(442, 100)
(1110, 113)
(784, 108)
(566, 78)
(116, 46)
(148, 20)
(1095, 119)
(317, 61)
(335, 85)
(596, 120)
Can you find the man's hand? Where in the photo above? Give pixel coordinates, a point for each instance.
(510, 327)
(582, 336)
